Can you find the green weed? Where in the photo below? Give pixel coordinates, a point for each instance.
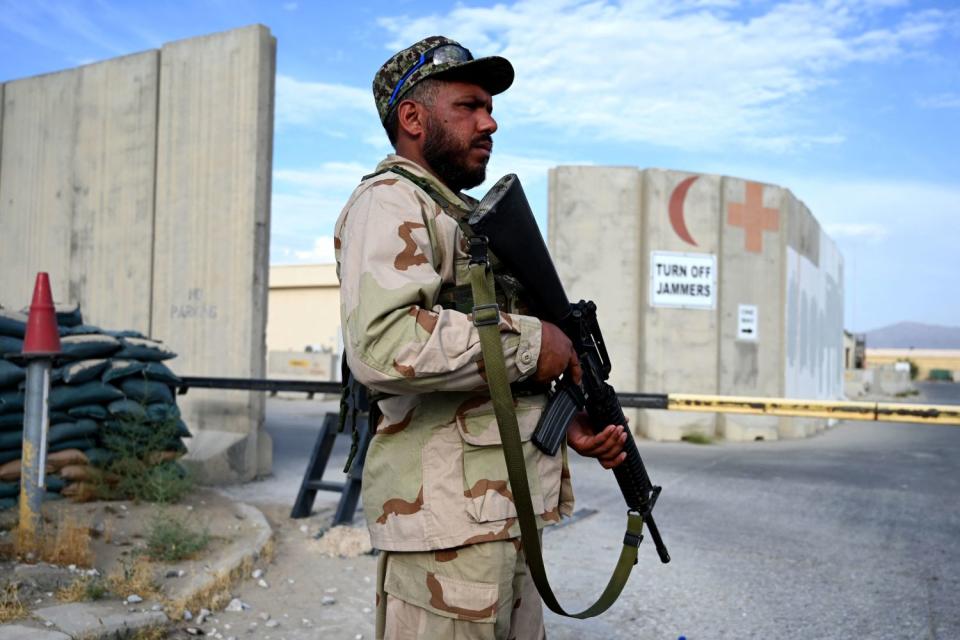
(697, 438)
(170, 539)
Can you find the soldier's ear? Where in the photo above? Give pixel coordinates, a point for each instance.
(411, 118)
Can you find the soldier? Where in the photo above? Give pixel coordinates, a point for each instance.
(435, 491)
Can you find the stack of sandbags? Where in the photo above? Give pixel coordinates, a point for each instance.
(111, 396)
(12, 327)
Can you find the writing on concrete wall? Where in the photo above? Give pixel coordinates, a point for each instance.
(195, 307)
(684, 280)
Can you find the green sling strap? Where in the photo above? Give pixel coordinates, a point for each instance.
(486, 317)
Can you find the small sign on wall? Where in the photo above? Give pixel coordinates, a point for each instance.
(684, 280)
(747, 322)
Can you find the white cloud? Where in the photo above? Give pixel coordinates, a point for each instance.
(940, 101)
(305, 205)
(682, 74)
(300, 102)
(341, 177)
(290, 6)
(321, 253)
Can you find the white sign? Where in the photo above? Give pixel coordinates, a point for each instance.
(747, 322)
(685, 280)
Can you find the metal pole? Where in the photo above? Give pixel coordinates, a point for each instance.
(33, 461)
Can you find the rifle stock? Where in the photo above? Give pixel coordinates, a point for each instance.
(505, 219)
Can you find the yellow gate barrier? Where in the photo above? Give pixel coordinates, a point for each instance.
(839, 409)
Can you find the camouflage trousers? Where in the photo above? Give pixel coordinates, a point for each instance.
(481, 591)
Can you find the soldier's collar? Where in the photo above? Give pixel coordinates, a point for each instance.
(459, 204)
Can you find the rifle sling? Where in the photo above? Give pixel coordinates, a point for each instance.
(486, 319)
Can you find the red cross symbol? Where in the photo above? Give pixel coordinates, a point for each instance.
(753, 217)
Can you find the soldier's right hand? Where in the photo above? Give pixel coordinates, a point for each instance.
(556, 355)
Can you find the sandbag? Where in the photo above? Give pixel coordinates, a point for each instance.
(9, 344)
(11, 440)
(88, 346)
(56, 417)
(68, 315)
(99, 457)
(161, 412)
(68, 396)
(83, 371)
(54, 483)
(117, 369)
(11, 421)
(12, 323)
(159, 372)
(144, 349)
(73, 443)
(95, 411)
(79, 330)
(127, 409)
(125, 333)
(10, 471)
(11, 374)
(80, 491)
(72, 430)
(62, 458)
(11, 402)
(77, 473)
(146, 391)
(182, 430)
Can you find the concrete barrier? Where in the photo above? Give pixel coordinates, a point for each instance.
(77, 188)
(142, 185)
(705, 284)
(214, 146)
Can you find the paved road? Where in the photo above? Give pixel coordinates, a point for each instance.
(852, 533)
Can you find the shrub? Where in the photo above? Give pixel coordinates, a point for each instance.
(170, 539)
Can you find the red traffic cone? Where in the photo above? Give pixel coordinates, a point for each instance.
(42, 337)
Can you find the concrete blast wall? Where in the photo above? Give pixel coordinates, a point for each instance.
(705, 284)
(142, 185)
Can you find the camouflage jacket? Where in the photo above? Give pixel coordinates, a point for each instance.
(434, 475)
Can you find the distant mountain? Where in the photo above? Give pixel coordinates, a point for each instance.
(904, 335)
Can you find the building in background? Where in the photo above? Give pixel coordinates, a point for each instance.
(705, 284)
(931, 364)
(303, 323)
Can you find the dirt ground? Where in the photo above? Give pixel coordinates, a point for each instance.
(304, 592)
(102, 540)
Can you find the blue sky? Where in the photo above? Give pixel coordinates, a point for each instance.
(854, 106)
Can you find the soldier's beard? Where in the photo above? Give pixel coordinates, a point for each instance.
(449, 158)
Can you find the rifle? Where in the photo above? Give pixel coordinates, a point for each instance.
(504, 222)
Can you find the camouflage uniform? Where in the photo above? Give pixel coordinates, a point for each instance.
(435, 480)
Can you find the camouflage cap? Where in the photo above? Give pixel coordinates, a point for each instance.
(493, 73)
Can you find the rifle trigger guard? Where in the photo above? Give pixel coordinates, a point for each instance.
(482, 318)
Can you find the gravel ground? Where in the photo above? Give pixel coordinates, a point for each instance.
(852, 533)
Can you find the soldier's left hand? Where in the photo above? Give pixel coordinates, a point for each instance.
(606, 446)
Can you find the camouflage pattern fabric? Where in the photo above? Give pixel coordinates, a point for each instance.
(479, 592)
(493, 73)
(434, 476)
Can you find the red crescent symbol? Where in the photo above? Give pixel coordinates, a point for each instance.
(676, 210)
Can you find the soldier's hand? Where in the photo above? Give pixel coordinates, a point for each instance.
(606, 446)
(556, 355)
